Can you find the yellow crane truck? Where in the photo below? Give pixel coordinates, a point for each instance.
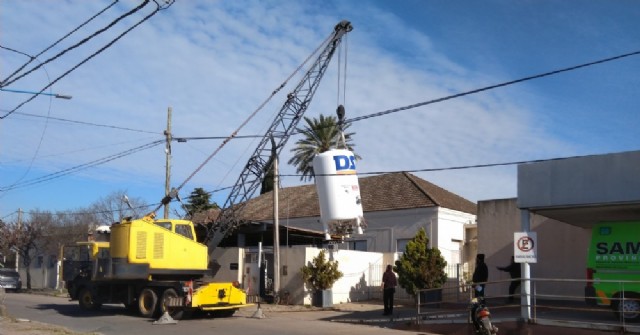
(157, 266)
(150, 266)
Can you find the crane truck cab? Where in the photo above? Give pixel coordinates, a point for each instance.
(150, 266)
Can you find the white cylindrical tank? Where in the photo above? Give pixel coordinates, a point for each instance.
(338, 189)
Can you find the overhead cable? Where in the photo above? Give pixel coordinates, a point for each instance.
(92, 124)
(4, 82)
(487, 88)
(91, 56)
(77, 168)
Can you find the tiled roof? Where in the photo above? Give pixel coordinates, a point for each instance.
(384, 192)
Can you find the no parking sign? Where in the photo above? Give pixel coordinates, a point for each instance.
(525, 247)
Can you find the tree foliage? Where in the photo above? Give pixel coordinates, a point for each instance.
(320, 273)
(199, 201)
(420, 267)
(27, 238)
(319, 135)
(113, 208)
(40, 234)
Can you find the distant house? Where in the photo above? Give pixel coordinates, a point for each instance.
(395, 205)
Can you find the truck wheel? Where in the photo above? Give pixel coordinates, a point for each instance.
(147, 302)
(176, 313)
(86, 300)
(629, 308)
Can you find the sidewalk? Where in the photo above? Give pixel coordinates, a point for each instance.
(445, 320)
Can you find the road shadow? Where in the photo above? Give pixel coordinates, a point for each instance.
(76, 311)
(504, 328)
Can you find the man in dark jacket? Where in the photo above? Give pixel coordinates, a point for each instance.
(389, 283)
(480, 275)
(514, 272)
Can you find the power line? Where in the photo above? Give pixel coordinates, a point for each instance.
(185, 139)
(93, 148)
(77, 168)
(91, 123)
(95, 53)
(114, 210)
(461, 167)
(441, 99)
(46, 125)
(4, 82)
(7, 81)
(487, 88)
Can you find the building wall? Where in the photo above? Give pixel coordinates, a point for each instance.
(362, 271)
(231, 261)
(597, 179)
(562, 248)
(451, 234)
(444, 227)
(358, 274)
(44, 273)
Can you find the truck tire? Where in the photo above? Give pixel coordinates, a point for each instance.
(629, 308)
(177, 313)
(87, 301)
(147, 302)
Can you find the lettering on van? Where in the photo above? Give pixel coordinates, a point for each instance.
(617, 252)
(345, 164)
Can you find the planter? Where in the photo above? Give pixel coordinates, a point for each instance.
(431, 298)
(322, 298)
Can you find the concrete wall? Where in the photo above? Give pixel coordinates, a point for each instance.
(231, 262)
(599, 179)
(562, 248)
(43, 275)
(444, 227)
(360, 273)
(451, 234)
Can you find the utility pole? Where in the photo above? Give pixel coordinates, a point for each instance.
(19, 232)
(167, 150)
(276, 223)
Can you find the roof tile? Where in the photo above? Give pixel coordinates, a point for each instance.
(384, 192)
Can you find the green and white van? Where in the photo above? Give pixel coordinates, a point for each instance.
(613, 265)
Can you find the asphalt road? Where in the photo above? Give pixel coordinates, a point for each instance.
(114, 320)
(353, 318)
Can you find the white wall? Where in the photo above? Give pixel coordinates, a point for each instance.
(362, 270)
(358, 275)
(384, 228)
(451, 234)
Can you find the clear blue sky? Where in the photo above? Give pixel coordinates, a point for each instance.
(214, 62)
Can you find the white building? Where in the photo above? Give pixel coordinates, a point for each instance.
(395, 207)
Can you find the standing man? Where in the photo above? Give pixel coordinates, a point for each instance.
(480, 275)
(389, 283)
(514, 272)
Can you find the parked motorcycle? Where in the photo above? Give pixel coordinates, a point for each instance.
(481, 318)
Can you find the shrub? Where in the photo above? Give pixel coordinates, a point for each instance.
(420, 267)
(321, 273)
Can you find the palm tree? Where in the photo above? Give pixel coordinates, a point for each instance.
(320, 135)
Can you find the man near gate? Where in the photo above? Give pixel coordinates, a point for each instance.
(389, 283)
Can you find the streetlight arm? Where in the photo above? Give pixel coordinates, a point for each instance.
(55, 95)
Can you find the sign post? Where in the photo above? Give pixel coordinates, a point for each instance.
(525, 247)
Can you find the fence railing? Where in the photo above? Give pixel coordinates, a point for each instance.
(549, 301)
